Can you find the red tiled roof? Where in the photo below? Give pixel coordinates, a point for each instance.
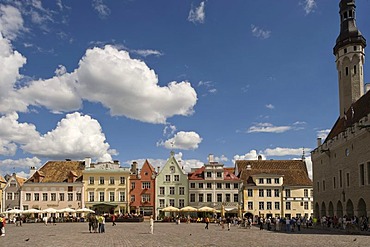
(58, 171)
(359, 109)
(294, 171)
(199, 174)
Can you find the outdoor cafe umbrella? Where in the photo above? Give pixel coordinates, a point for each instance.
(188, 209)
(14, 211)
(85, 210)
(32, 211)
(170, 209)
(206, 209)
(49, 210)
(66, 210)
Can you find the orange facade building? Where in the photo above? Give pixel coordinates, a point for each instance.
(142, 189)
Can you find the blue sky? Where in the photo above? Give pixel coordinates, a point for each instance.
(133, 80)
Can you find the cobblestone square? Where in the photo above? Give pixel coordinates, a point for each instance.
(170, 234)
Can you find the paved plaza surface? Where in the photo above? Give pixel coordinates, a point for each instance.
(170, 234)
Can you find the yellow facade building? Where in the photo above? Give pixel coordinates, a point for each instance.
(106, 187)
(275, 188)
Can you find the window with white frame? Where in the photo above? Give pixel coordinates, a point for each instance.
(101, 196)
(277, 205)
(176, 178)
(277, 192)
(172, 190)
(181, 203)
(53, 196)
(287, 192)
(250, 192)
(200, 198)
(9, 196)
(70, 197)
(268, 205)
(181, 190)
(28, 196)
(260, 180)
(261, 193)
(145, 197)
(122, 196)
(145, 185)
(250, 205)
(261, 205)
(111, 196)
(168, 178)
(36, 197)
(122, 180)
(161, 203)
(61, 196)
(287, 205)
(91, 196)
(192, 197)
(101, 180)
(111, 180)
(161, 191)
(172, 202)
(44, 196)
(268, 192)
(91, 180)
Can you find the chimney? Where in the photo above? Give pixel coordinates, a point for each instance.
(134, 167)
(319, 141)
(116, 162)
(158, 168)
(87, 162)
(259, 157)
(32, 170)
(211, 158)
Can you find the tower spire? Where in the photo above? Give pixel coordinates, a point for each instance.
(349, 51)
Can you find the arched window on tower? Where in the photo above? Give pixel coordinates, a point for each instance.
(346, 70)
(354, 69)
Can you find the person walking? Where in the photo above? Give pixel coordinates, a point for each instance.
(151, 225)
(207, 223)
(228, 221)
(113, 220)
(2, 225)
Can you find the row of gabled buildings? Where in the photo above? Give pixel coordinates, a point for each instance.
(269, 188)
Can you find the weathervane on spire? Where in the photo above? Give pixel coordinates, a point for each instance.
(172, 145)
(303, 154)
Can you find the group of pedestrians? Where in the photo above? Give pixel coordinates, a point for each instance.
(96, 223)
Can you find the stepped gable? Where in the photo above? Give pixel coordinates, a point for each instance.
(58, 172)
(294, 171)
(359, 109)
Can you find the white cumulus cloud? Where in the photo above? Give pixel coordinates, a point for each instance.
(251, 155)
(182, 140)
(197, 14)
(129, 88)
(8, 166)
(75, 137)
(11, 21)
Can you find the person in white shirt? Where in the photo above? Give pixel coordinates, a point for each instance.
(151, 224)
